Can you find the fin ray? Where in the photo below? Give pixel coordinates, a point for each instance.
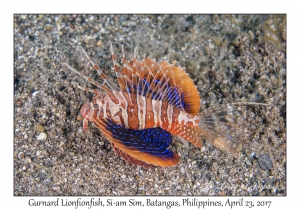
(222, 126)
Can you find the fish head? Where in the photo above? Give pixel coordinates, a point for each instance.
(87, 110)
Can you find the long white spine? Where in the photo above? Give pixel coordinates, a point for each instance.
(141, 102)
(170, 114)
(156, 107)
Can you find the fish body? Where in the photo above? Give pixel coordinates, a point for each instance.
(138, 113)
(152, 101)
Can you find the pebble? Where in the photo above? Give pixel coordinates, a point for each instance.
(39, 154)
(99, 43)
(34, 93)
(56, 188)
(248, 162)
(222, 193)
(39, 128)
(21, 155)
(22, 65)
(178, 145)
(48, 27)
(28, 160)
(42, 136)
(18, 103)
(264, 161)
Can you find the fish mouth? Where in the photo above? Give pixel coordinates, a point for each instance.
(86, 109)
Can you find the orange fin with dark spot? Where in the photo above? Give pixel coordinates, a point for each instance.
(142, 147)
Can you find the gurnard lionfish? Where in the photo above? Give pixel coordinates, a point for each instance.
(152, 101)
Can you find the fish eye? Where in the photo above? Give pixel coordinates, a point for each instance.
(96, 106)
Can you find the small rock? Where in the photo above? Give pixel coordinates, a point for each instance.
(46, 181)
(18, 103)
(264, 161)
(34, 93)
(248, 162)
(28, 160)
(40, 17)
(48, 27)
(222, 193)
(39, 128)
(178, 145)
(22, 65)
(79, 117)
(39, 154)
(21, 155)
(42, 136)
(99, 43)
(56, 188)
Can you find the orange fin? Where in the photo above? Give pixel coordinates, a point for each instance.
(149, 70)
(130, 159)
(176, 77)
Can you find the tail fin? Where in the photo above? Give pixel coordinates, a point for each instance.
(224, 126)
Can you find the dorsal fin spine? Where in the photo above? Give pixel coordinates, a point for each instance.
(161, 89)
(152, 85)
(157, 87)
(104, 77)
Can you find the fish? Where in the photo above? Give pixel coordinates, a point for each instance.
(152, 102)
